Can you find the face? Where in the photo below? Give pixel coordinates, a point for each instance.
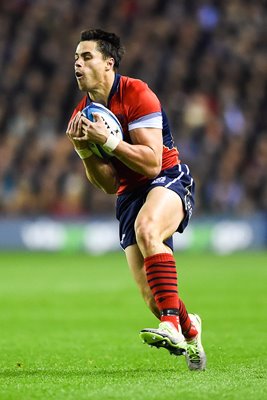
(90, 66)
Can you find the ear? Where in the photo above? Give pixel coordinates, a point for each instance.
(110, 64)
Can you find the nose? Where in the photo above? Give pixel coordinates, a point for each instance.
(78, 62)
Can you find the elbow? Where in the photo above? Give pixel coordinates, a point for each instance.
(154, 169)
(153, 172)
(110, 189)
(152, 175)
(109, 186)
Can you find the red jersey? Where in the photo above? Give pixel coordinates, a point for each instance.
(136, 106)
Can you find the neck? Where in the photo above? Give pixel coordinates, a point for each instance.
(101, 93)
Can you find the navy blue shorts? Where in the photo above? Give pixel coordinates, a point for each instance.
(129, 204)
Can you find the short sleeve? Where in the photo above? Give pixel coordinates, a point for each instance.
(143, 106)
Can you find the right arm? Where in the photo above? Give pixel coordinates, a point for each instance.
(99, 172)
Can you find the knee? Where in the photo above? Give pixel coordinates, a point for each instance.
(146, 232)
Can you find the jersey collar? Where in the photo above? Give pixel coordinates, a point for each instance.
(112, 91)
(114, 87)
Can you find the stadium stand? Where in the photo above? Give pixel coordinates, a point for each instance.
(207, 62)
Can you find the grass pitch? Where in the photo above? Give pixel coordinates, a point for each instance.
(69, 329)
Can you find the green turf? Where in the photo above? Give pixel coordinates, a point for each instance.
(69, 329)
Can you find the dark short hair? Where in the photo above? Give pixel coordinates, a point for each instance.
(108, 44)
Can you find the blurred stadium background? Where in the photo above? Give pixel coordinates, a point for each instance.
(207, 62)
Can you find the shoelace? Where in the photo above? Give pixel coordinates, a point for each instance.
(193, 352)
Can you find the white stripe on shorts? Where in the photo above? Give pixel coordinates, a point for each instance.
(174, 180)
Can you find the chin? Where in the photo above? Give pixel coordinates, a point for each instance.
(82, 87)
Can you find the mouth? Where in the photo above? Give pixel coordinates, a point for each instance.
(78, 74)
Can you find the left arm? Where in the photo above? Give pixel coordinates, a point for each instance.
(144, 155)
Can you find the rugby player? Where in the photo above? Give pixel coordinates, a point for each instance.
(155, 191)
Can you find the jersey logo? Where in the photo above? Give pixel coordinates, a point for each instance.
(160, 179)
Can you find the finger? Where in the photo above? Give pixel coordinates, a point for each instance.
(97, 117)
(85, 121)
(78, 115)
(84, 131)
(76, 118)
(85, 127)
(71, 125)
(75, 126)
(79, 128)
(69, 128)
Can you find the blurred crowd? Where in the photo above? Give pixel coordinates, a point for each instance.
(207, 62)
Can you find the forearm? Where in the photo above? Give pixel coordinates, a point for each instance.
(140, 158)
(101, 174)
(143, 155)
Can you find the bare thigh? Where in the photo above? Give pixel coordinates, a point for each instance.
(157, 220)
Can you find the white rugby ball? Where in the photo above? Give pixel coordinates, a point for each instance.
(111, 122)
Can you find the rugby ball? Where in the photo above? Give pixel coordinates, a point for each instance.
(111, 122)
